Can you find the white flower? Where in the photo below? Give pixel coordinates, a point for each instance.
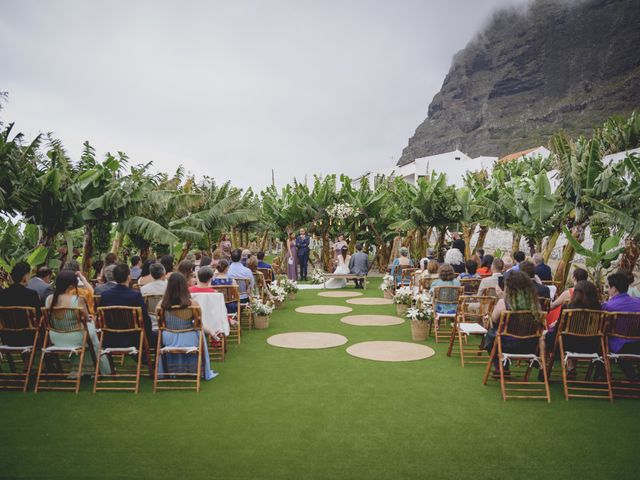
(412, 313)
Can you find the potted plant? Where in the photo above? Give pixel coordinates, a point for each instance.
(290, 288)
(262, 312)
(387, 286)
(317, 278)
(420, 315)
(402, 298)
(278, 294)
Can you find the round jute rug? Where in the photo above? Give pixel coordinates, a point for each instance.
(323, 309)
(372, 320)
(370, 301)
(339, 294)
(306, 340)
(390, 351)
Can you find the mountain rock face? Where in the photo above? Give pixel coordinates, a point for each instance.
(561, 64)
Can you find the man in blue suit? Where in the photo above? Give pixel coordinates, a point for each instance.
(121, 295)
(302, 246)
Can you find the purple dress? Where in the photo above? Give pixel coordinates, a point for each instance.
(292, 268)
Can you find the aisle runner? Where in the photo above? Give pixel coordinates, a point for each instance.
(307, 340)
(390, 351)
(372, 320)
(370, 301)
(340, 294)
(324, 309)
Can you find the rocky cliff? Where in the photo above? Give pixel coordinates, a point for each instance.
(566, 64)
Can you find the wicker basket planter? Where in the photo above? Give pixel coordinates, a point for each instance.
(401, 309)
(419, 330)
(388, 294)
(261, 322)
(291, 296)
(278, 304)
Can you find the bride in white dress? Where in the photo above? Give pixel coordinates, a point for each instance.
(341, 269)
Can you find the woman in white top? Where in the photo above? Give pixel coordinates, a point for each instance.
(341, 269)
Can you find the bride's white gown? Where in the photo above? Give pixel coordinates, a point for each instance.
(341, 269)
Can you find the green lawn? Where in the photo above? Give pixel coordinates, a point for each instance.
(277, 413)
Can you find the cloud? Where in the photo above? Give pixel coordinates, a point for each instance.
(233, 89)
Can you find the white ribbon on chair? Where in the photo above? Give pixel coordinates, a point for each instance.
(127, 351)
(594, 357)
(179, 350)
(618, 356)
(532, 357)
(72, 351)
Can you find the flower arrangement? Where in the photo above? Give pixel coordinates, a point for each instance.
(261, 309)
(278, 293)
(317, 278)
(387, 283)
(403, 296)
(289, 286)
(341, 211)
(421, 314)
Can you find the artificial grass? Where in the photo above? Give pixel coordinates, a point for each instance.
(280, 413)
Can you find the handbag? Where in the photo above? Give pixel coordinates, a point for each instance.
(290, 260)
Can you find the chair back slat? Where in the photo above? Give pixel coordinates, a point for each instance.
(521, 324)
(447, 294)
(179, 319)
(624, 325)
(470, 285)
(231, 292)
(244, 285)
(268, 274)
(582, 322)
(17, 319)
(65, 319)
(152, 302)
(488, 292)
(474, 308)
(545, 303)
(120, 319)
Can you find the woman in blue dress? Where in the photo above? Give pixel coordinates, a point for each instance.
(176, 298)
(221, 278)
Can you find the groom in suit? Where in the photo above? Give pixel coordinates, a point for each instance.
(359, 265)
(302, 246)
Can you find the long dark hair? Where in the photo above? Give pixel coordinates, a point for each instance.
(487, 260)
(64, 280)
(519, 293)
(585, 295)
(177, 293)
(167, 263)
(344, 251)
(145, 267)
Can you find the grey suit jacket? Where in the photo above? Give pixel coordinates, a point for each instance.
(40, 286)
(359, 264)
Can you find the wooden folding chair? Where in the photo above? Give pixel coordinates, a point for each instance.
(67, 321)
(444, 299)
(121, 326)
(425, 284)
(545, 304)
(245, 313)
(268, 275)
(525, 327)
(624, 326)
(96, 300)
(232, 296)
(19, 337)
(584, 330)
(558, 285)
(472, 319)
(488, 292)
(406, 275)
(470, 285)
(178, 320)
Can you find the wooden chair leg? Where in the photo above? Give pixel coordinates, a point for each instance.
(487, 371)
(97, 369)
(460, 342)
(158, 360)
(41, 363)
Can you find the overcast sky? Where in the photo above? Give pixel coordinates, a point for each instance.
(232, 89)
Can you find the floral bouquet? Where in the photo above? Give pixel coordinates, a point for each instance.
(317, 278)
(288, 285)
(341, 211)
(387, 283)
(403, 296)
(421, 316)
(261, 309)
(278, 293)
(420, 313)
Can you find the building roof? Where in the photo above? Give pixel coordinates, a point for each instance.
(516, 155)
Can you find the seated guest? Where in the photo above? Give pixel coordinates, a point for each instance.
(497, 267)
(107, 274)
(633, 290)
(159, 283)
(480, 253)
(197, 259)
(621, 301)
(246, 253)
(508, 262)
(446, 277)
(221, 278)
(17, 294)
(579, 274)
(41, 283)
(177, 296)
(359, 265)
(261, 262)
(528, 268)
(455, 258)
(205, 274)
(217, 256)
(237, 271)
(518, 257)
(402, 261)
(471, 267)
(110, 259)
(543, 271)
(205, 261)
(121, 295)
(485, 266)
(136, 267)
(584, 295)
(519, 295)
(431, 255)
(66, 295)
(145, 274)
(431, 270)
(187, 268)
(167, 263)
(85, 289)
